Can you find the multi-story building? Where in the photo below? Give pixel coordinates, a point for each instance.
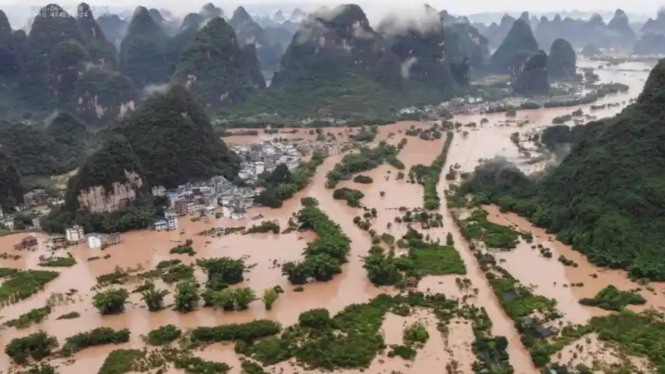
(160, 225)
(158, 191)
(94, 241)
(180, 207)
(113, 238)
(35, 198)
(171, 220)
(75, 234)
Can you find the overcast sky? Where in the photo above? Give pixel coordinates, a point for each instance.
(24, 8)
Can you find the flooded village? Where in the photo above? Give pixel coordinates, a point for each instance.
(199, 215)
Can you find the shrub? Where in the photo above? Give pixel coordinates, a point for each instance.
(315, 318)
(98, 336)
(154, 298)
(363, 179)
(70, 315)
(121, 361)
(110, 301)
(33, 316)
(37, 345)
(235, 332)
(309, 201)
(163, 335)
(270, 295)
(186, 297)
(416, 333)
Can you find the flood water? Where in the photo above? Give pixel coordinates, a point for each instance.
(265, 252)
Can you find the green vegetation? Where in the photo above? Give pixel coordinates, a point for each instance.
(37, 346)
(281, 185)
(223, 75)
(518, 41)
(416, 333)
(95, 337)
(363, 179)
(249, 367)
(163, 335)
(183, 249)
(196, 365)
(117, 277)
(309, 201)
(324, 255)
(233, 298)
(19, 285)
(382, 269)
(610, 298)
(428, 176)
(478, 227)
(566, 262)
(59, 262)
(270, 295)
(11, 192)
(70, 315)
(613, 192)
(351, 196)
(264, 227)
(366, 159)
(111, 301)
(35, 315)
(533, 79)
(186, 297)
(247, 332)
(154, 298)
(222, 270)
(121, 361)
(40, 368)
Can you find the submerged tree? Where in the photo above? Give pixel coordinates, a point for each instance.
(154, 298)
(110, 301)
(186, 297)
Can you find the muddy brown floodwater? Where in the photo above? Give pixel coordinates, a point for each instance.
(266, 252)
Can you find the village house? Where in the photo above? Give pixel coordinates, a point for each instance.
(158, 191)
(27, 243)
(35, 198)
(58, 241)
(113, 238)
(36, 223)
(180, 207)
(94, 241)
(74, 234)
(160, 225)
(8, 223)
(171, 220)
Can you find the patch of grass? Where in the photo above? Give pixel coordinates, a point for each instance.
(121, 361)
(36, 315)
(184, 249)
(59, 262)
(163, 335)
(478, 227)
(19, 285)
(434, 259)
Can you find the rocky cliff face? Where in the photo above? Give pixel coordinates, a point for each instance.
(250, 32)
(561, 64)
(104, 96)
(650, 44)
(619, 24)
(11, 193)
(497, 33)
(519, 41)
(144, 54)
(533, 79)
(655, 26)
(335, 44)
(53, 57)
(419, 43)
(113, 28)
(9, 53)
(465, 41)
(214, 66)
(174, 141)
(110, 178)
(100, 50)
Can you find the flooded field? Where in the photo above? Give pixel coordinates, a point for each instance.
(266, 252)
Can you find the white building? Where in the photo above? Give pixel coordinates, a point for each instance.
(75, 234)
(158, 191)
(171, 220)
(260, 167)
(94, 241)
(160, 225)
(332, 150)
(2, 214)
(9, 223)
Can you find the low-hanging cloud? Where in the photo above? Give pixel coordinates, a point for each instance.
(400, 20)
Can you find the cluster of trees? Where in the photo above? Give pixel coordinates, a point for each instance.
(351, 196)
(324, 255)
(611, 298)
(111, 301)
(429, 176)
(94, 337)
(616, 189)
(264, 227)
(281, 184)
(366, 159)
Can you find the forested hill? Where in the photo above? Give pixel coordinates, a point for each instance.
(607, 198)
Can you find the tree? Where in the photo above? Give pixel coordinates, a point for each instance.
(154, 298)
(243, 296)
(186, 297)
(270, 295)
(381, 270)
(322, 267)
(111, 301)
(296, 272)
(281, 175)
(224, 269)
(449, 239)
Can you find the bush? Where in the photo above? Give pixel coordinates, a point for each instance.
(363, 179)
(416, 333)
(59, 262)
(269, 297)
(351, 196)
(98, 336)
(235, 332)
(186, 297)
(223, 270)
(196, 365)
(163, 335)
(184, 248)
(111, 301)
(309, 201)
(37, 345)
(315, 318)
(121, 361)
(233, 298)
(33, 316)
(154, 298)
(70, 315)
(610, 298)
